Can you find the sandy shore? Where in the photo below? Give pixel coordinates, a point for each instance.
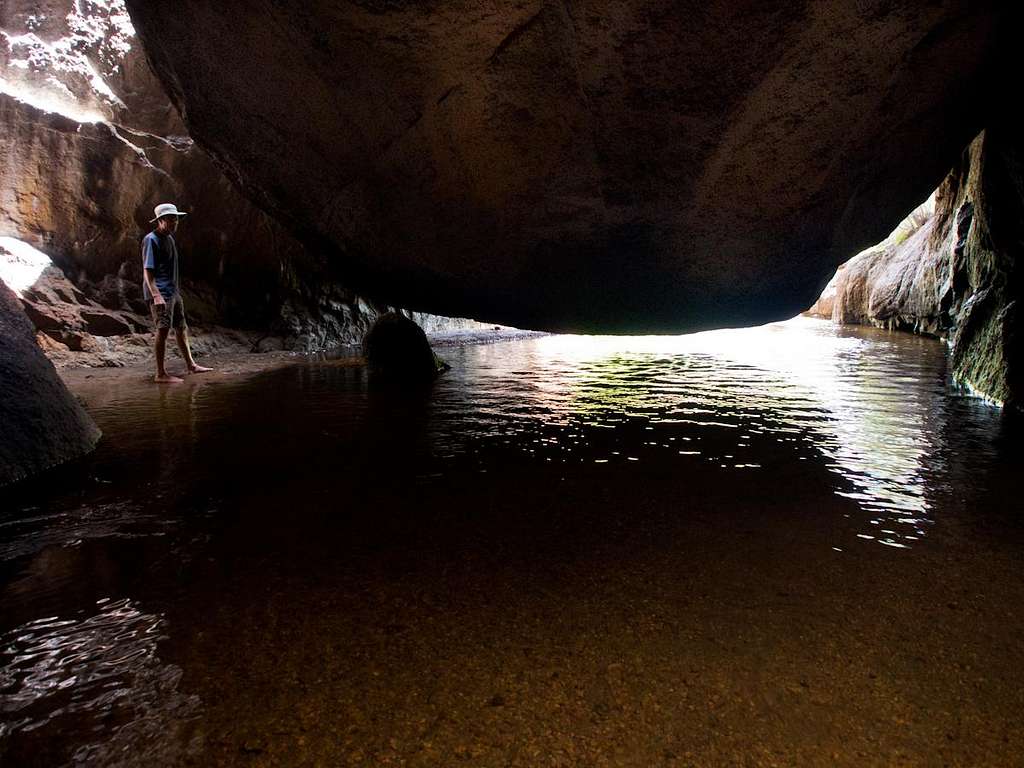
(233, 365)
(466, 338)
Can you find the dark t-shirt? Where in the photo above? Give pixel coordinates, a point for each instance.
(160, 254)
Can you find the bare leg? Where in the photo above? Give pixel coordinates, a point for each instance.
(160, 347)
(186, 353)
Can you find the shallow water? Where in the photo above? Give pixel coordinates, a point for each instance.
(790, 544)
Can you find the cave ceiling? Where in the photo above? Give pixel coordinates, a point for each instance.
(573, 165)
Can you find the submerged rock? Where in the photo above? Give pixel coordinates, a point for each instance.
(43, 424)
(397, 348)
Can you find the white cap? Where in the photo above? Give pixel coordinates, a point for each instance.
(166, 209)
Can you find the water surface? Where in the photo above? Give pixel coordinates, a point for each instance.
(791, 544)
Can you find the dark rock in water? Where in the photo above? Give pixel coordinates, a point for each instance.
(42, 424)
(618, 166)
(397, 348)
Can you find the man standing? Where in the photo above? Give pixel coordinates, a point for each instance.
(160, 286)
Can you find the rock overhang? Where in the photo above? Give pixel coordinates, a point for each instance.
(588, 166)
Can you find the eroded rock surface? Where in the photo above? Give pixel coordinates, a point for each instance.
(83, 193)
(582, 165)
(899, 283)
(986, 253)
(43, 424)
(954, 269)
(90, 143)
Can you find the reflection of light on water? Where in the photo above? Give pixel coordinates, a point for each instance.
(796, 370)
(25, 534)
(861, 401)
(102, 668)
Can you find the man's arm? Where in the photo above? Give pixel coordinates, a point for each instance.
(148, 265)
(147, 275)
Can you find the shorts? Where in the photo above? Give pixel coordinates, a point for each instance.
(169, 315)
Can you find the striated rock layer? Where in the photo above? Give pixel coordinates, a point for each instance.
(43, 424)
(954, 270)
(624, 166)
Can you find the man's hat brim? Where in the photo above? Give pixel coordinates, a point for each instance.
(179, 214)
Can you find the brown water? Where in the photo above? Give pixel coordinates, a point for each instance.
(777, 546)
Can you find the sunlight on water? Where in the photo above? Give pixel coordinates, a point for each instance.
(861, 403)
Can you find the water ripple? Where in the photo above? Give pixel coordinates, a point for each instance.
(99, 674)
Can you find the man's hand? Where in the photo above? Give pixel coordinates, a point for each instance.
(158, 298)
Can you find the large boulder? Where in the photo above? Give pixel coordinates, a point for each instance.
(43, 424)
(397, 349)
(626, 166)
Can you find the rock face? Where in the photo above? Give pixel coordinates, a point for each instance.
(955, 270)
(90, 143)
(582, 165)
(43, 425)
(896, 284)
(84, 160)
(984, 249)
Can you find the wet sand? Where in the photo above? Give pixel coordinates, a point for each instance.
(84, 382)
(235, 365)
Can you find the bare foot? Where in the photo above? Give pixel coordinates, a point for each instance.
(198, 369)
(167, 379)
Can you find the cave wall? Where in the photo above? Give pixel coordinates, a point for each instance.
(988, 343)
(84, 192)
(897, 284)
(584, 165)
(954, 271)
(90, 143)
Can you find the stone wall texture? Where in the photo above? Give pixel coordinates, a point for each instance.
(43, 425)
